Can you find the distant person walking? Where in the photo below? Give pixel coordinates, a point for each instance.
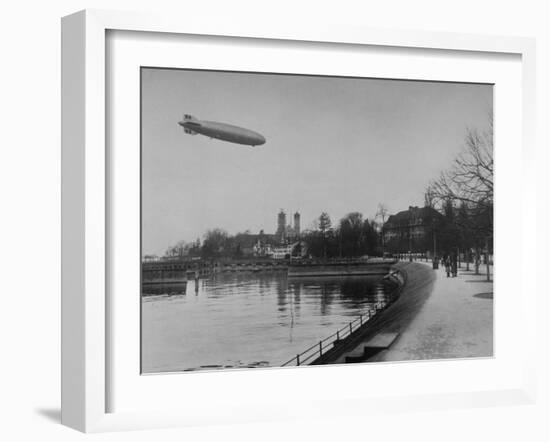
(448, 265)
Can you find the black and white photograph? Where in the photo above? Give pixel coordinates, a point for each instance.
(233, 221)
(294, 220)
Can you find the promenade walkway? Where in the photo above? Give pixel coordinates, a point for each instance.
(395, 319)
(455, 321)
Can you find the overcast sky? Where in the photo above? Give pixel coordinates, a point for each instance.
(333, 144)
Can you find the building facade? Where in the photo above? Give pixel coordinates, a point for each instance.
(281, 226)
(413, 230)
(297, 224)
(286, 233)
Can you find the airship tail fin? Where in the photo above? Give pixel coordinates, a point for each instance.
(189, 131)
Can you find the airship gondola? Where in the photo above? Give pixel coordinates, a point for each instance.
(221, 131)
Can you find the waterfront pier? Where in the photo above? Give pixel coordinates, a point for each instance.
(456, 321)
(340, 267)
(434, 317)
(331, 347)
(180, 270)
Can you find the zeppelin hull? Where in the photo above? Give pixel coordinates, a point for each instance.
(222, 131)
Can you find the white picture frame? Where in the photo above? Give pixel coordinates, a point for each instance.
(86, 356)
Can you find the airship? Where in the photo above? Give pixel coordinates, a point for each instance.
(221, 131)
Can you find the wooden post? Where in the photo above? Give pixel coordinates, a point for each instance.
(320, 348)
(297, 359)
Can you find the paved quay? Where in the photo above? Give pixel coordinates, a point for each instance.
(455, 321)
(395, 319)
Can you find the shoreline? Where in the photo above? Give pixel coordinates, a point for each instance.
(455, 322)
(394, 319)
(435, 317)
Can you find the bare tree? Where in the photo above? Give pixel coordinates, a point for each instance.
(470, 179)
(381, 213)
(429, 199)
(325, 226)
(469, 184)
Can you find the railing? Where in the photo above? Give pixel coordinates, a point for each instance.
(331, 341)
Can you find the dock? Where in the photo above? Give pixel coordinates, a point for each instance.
(385, 329)
(356, 334)
(456, 321)
(435, 317)
(340, 267)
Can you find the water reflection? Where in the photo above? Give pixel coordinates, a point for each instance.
(247, 320)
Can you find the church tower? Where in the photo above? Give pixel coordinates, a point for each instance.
(281, 226)
(297, 224)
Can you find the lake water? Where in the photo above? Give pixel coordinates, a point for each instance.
(239, 320)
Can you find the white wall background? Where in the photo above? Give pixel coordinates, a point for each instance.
(30, 220)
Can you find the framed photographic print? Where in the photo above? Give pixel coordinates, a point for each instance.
(256, 215)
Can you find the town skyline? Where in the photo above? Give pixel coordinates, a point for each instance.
(290, 225)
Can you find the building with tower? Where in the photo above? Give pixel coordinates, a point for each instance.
(278, 245)
(286, 232)
(280, 234)
(297, 224)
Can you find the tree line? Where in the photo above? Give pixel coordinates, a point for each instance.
(216, 243)
(352, 237)
(464, 195)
